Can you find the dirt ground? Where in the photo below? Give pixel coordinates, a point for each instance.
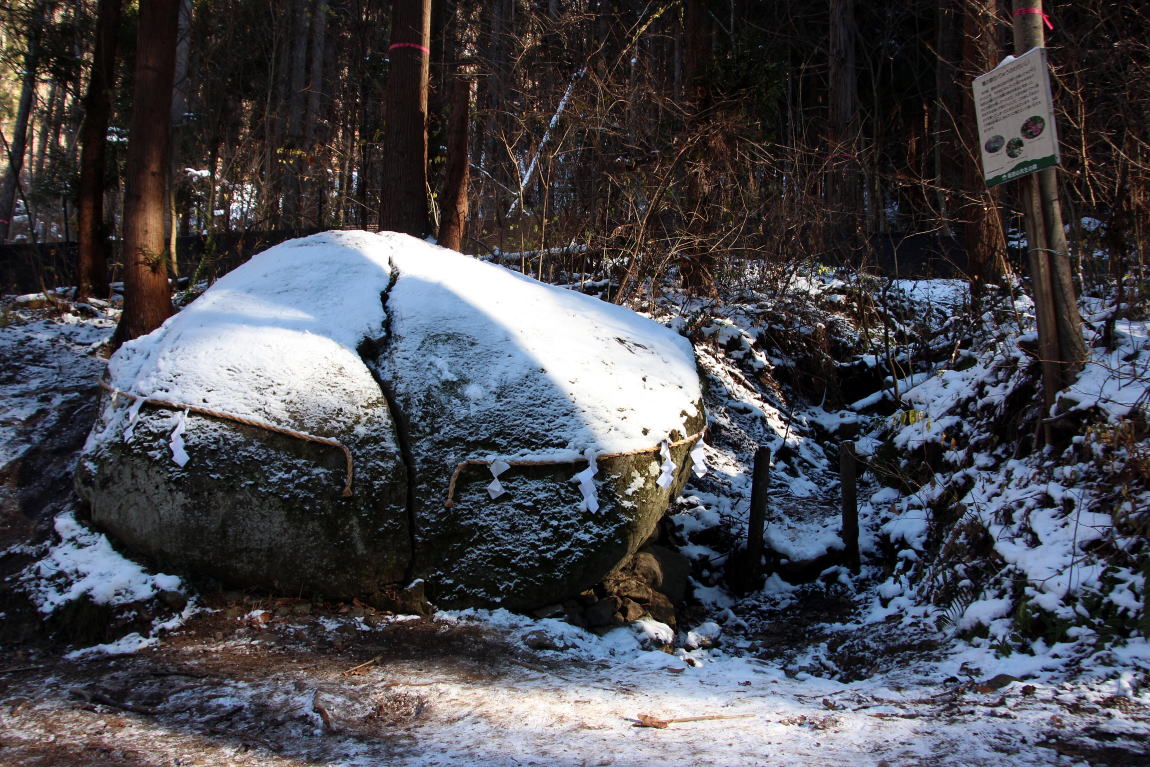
(255, 680)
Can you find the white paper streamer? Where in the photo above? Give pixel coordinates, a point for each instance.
(667, 469)
(586, 482)
(133, 413)
(179, 454)
(495, 489)
(699, 459)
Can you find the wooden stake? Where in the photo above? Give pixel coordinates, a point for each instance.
(760, 484)
(848, 477)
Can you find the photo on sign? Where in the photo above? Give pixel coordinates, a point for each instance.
(1032, 128)
(995, 143)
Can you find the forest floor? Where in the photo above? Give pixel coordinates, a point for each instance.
(807, 675)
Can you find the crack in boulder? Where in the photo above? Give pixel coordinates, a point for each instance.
(419, 360)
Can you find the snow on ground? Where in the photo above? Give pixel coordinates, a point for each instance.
(851, 669)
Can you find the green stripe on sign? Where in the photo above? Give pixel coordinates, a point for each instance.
(1023, 168)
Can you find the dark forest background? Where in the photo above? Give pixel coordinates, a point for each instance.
(688, 135)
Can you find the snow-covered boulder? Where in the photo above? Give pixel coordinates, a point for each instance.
(351, 411)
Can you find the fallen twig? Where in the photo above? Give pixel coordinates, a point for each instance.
(646, 720)
(101, 698)
(18, 669)
(361, 666)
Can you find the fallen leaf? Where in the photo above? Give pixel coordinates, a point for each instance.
(646, 720)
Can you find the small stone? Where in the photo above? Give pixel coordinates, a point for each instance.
(661, 609)
(636, 590)
(631, 611)
(540, 640)
(174, 599)
(997, 682)
(602, 613)
(550, 611)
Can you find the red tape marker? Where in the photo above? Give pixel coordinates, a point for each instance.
(1039, 11)
(416, 46)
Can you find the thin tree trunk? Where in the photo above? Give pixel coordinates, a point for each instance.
(180, 90)
(698, 262)
(948, 160)
(316, 99)
(292, 159)
(18, 144)
(981, 230)
(93, 256)
(147, 300)
(1059, 325)
(843, 196)
(404, 188)
(458, 171)
(50, 118)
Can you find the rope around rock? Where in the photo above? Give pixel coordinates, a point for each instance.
(534, 462)
(300, 435)
(350, 473)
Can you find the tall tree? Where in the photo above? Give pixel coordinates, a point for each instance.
(453, 217)
(147, 298)
(93, 257)
(404, 189)
(1061, 345)
(17, 146)
(843, 182)
(981, 229)
(697, 265)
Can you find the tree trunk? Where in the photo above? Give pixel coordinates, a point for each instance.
(93, 255)
(698, 262)
(458, 171)
(843, 188)
(948, 110)
(293, 157)
(1060, 339)
(317, 85)
(147, 300)
(490, 158)
(19, 142)
(404, 188)
(981, 229)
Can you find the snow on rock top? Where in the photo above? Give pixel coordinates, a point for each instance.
(249, 345)
(519, 329)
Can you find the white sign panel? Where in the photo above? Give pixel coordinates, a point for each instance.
(1016, 130)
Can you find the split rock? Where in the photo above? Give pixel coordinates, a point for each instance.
(511, 442)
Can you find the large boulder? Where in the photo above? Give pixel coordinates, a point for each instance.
(351, 411)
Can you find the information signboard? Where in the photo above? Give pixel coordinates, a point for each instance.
(1016, 131)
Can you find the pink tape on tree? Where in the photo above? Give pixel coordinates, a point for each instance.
(416, 46)
(1039, 11)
